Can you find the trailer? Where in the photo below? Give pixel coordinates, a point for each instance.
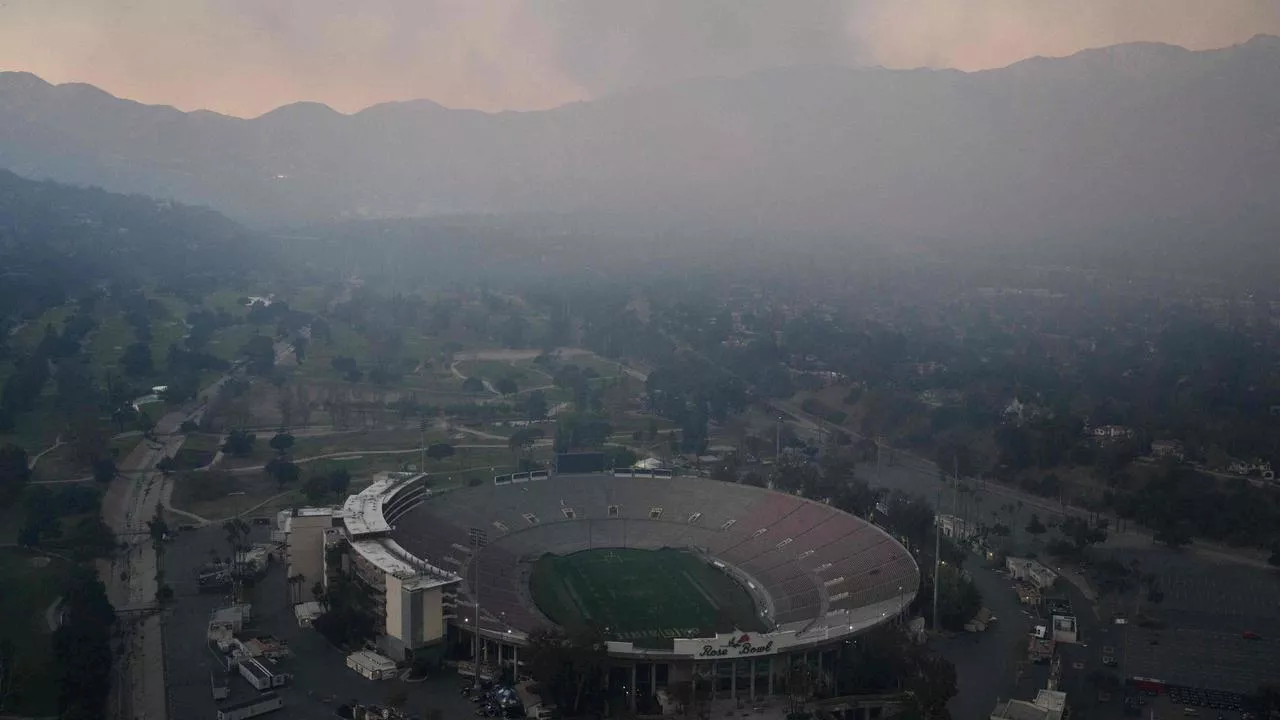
(253, 707)
(256, 673)
(219, 682)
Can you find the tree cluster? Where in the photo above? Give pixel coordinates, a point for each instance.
(319, 488)
(82, 648)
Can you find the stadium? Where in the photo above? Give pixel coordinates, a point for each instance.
(688, 578)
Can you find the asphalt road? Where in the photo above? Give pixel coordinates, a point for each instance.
(991, 665)
(321, 679)
(131, 501)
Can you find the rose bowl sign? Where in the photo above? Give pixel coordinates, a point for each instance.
(735, 645)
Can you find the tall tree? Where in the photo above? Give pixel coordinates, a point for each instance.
(14, 472)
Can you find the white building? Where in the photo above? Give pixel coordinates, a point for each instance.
(1065, 629)
(371, 665)
(956, 528)
(303, 532)
(1048, 705)
(224, 623)
(414, 597)
(307, 612)
(1029, 570)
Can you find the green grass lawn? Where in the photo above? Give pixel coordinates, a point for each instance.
(107, 342)
(466, 464)
(28, 586)
(61, 464)
(221, 495)
(641, 595)
(35, 430)
(603, 367)
(227, 299)
(309, 298)
(227, 341)
(204, 441)
(357, 441)
(165, 331)
(495, 370)
(30, 335)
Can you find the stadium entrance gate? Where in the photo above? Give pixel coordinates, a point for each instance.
(744, 679)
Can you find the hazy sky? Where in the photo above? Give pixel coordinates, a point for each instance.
(244, 57)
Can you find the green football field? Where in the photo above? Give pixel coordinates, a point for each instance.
(641, 594)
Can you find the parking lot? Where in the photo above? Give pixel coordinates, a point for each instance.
(321, 680)
(1185, 704)
(1199, 658)
(1206, 610)
(1193, 585)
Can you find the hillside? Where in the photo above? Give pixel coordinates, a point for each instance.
(57, 240)
(1159, 151)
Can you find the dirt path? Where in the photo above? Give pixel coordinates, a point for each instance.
(57, 443)
(51, 615)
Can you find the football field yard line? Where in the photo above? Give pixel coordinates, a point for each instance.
(577, 601)
(701, 590)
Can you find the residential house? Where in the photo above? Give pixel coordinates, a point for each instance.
(1166, 449)
(1111, 433)
(1252, 468)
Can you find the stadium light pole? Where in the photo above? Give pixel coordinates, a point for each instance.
(478, 538)
(937, 558)
(422, 445)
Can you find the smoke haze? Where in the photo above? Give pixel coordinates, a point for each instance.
(244, 57)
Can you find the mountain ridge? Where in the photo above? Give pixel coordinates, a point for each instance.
(1144, 141)
(1256, 40)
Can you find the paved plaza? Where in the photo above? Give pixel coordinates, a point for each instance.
(321, 678)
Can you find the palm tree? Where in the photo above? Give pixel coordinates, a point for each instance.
(237, 532)
(295, 588)
(236, 529)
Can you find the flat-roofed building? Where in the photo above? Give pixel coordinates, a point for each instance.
(413, 599)
(303, 530)
(1048, 705)
(1031, 571)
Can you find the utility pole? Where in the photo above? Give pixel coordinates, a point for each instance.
(955, 483)
(879, 466)
(937, 533)
(777, 442)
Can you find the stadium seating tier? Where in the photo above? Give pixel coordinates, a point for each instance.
(802, 553)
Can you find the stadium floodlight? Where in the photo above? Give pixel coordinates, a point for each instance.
(479, 538)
